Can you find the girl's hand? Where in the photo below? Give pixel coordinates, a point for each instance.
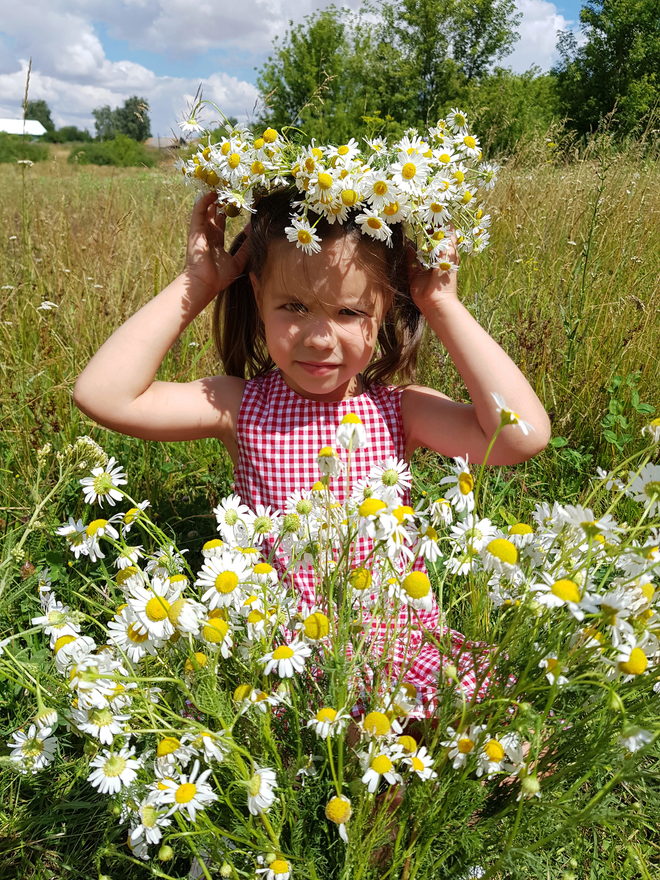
(432, 287)
(207, 262)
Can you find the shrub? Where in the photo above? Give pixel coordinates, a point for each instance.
(121, 151)
(15, 146)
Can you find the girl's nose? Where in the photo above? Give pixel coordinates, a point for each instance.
(320, 334)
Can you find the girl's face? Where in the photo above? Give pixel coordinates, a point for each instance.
(321, 315)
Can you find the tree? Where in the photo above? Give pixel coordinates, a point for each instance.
(616, 69)
(104, 123)
(132, 120)
(40, 111)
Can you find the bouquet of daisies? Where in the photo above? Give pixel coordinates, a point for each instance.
(238, 730)
(431, 182)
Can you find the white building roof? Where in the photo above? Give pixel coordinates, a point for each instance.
(20, 126)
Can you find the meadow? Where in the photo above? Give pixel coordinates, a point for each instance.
(569, 287)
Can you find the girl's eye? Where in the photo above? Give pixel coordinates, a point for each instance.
(351, 313)
(297, 307)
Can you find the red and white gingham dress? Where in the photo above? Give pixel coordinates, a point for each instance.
(279, 436)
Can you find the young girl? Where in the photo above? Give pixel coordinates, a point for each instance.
(306, 339)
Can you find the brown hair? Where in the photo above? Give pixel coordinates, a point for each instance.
(237, 328)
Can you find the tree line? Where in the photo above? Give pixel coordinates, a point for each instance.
(401, 63)
(395, 64)
(131, 120)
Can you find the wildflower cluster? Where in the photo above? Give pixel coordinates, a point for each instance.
(430, 182)
(213, 695)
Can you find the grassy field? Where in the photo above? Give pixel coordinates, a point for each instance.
(569, 288)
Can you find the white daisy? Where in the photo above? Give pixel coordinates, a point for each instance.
(261, 790)
(328, 722)
(421, 763)
(189, 794)
(286, 660)
(462, 744)
(33, 750)
(230, 513)
(151, 824)
(508, 416)
(635, 738)
(351, 433)
(224, 577)
(339, 810)
(392, 476)
(278, 869)
(302, 233)
(644, 487)
(101, 724)
(113, 770)
(557, 592)
(380, 765)
(371, 223)
(103, 484)
(461, 486)
(328, 462)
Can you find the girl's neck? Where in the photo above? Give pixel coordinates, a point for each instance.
(353, 389)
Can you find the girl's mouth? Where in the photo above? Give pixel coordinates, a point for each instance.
(317, 369)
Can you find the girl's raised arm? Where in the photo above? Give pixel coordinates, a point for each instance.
(454, 429)
(118, 388)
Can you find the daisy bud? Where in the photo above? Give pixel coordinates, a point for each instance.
(166, 853)
(328, 462)
(351, 433)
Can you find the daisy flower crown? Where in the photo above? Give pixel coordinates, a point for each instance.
(430, 182)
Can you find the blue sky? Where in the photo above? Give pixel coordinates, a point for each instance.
(88, 53)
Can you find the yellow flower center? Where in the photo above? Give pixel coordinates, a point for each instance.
(167, 746)
(635, 664)
(279, 866)
(566, 590)
(135, 635)
(185, 793)
(401, 512)
(374, 223)
(391, 209)
(215, 630)
(201, 660)
(270, 135)
(95, 526)
(360, 579)
(377, 724)
(521, 529)
(325, 180)
(304, 236)
(327, 713)
(316, 626)
(338, 810)
(371, 507)
(382, 764)
(417, 584)
(114, 766)
(407, 743)
(469, 141)
(62, 641)
(417, 764)
(242, 692)
(494, 750)
(503, 550)
(234, 160)
(465, 483)
(380, 187)
(157, 608)
(349, 197)
(283, 653)
(465, 745)
(409, 170)
(226, 582)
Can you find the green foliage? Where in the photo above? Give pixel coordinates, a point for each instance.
(14, 147)
(339, 74)
(624, 399)
(40, 111)
(68, 134)
(122, 151)
(616, 70)
(131, 119)
(510, 110)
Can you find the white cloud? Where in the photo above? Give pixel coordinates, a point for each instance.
(538, 36)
